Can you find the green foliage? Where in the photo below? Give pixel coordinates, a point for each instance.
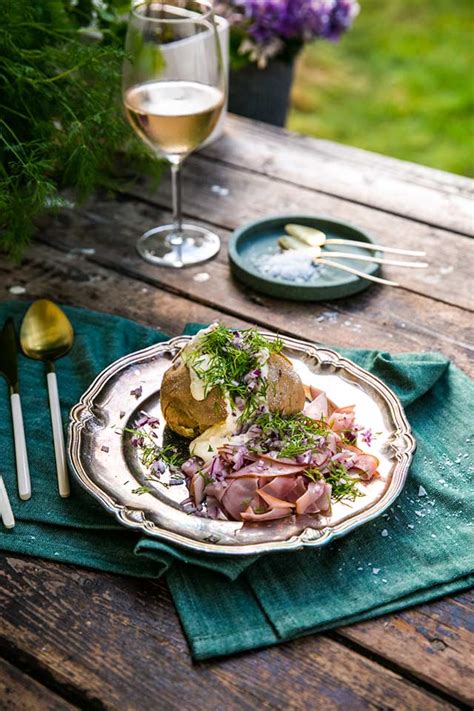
(61, 121)
(400, 83)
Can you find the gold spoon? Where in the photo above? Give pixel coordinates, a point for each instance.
(46, 334)
(316, 238)
(317, 252)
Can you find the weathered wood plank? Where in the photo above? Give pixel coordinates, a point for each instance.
(421, 193)
(441, 635)
(384, 318)
(19, 692)
(117, 641)
(69, 278)
(252, 196)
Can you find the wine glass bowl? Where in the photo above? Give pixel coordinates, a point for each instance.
(173, 93)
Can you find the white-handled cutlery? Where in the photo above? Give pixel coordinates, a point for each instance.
(9, 369)
(6, 512)
(47, 334)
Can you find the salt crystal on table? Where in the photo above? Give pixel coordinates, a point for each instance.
(384, 580)
(219, 190)
(360, 569)
(17, 290)
(421, 491)
(201, 277)
(375, 571)
(384, 532)
(410, 525)
(87, 251)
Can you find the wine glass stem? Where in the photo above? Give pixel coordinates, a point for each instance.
(177, 237)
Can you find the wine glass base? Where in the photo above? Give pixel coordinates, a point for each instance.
(198, 245)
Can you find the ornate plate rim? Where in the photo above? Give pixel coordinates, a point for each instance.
(403, 442)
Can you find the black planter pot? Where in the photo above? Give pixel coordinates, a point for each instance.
(262, 94)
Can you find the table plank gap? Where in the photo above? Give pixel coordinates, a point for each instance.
(21, 689)
(456, 227)
(98, 227)
(104, 287)
(422, 193)
(254, 132)
(446, 689)
(255, 197)
(130, 625)
(338, 325)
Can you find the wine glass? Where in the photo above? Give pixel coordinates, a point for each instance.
(174, 91)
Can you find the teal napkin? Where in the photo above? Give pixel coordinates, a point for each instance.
(420, 549)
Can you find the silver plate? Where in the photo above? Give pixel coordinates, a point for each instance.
(108, 467)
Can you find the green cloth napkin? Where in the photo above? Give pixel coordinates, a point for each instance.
(420, 549)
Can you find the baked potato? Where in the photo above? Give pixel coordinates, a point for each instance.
(190, 418)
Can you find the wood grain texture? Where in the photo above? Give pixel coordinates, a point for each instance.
(384, 318)
(253, 196)
(441, 635)
(70, 278)
(109, 642)
(117, 640)
(414, 191)
(74, 280)
(19, 692)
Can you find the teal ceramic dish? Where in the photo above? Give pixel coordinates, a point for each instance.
(253, 246)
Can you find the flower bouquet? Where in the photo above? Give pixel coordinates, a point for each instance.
(266, 36)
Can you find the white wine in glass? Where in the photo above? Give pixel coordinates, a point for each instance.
(174, 93)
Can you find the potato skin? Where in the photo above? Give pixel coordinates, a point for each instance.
(183, 414)
(189, 417)
(285, 389)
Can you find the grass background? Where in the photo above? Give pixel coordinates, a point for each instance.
(401, 82)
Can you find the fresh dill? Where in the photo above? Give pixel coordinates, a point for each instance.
(343, 485)
(290, 435)
(151, 453)
(206, 477)
(233, 361)
(142, 490)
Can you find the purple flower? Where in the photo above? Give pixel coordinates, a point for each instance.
(158, 467)
(269, 25)
(137, 392)
(367, 437)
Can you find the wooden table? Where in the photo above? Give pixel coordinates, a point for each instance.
(74, 637)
